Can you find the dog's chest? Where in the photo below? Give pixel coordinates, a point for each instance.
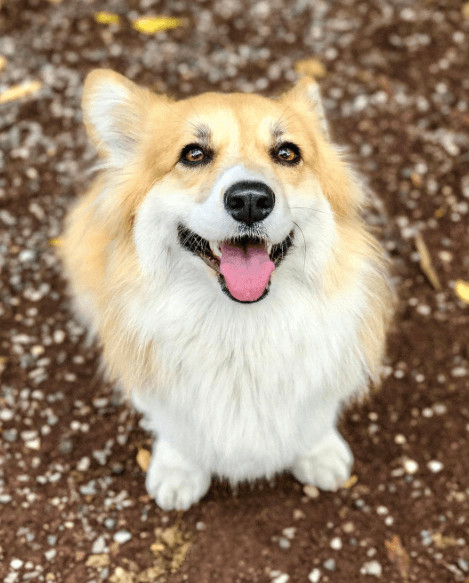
(249, 393)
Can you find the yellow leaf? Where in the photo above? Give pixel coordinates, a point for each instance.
(465, 10)
(426, 262)
(107, 18)
(98, 561)
(311, 67)
(462, 290)
(351, 481)
(3, 63)
(18, 91)
(56, 242)
(143, 459)
(398, 556)
(152, 24)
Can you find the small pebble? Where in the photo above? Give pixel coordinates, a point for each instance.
(463, 565)
(281, 578)
(59, 336)
(314, 576)
(284, 543)
(410, 466)
(99, 546)
(16, 564)
(122, 536)
(372, 568)
(330, 564)
(311, 491)
(336, 543)
(84, 464)
(435, 466)
(50, 554)
(110, 523)
(289, 532)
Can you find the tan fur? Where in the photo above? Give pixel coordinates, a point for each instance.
(99, 253)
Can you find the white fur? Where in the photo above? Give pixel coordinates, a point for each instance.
(244, 391)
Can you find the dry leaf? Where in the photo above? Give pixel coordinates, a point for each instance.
(311, 67)
(426, 262)
(465, 10)
(18, 91)
(351, 481)
(56, 242)
(416, 179)
(462, 290)
(107, 18)
(440, 212)
(98, 561)
(444, 542)
(3, 363)
(3, 63)
(120, 575)
(398, 556)
(150, 25)
(143, 459)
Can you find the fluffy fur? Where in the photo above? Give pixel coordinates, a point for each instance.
(237, 390)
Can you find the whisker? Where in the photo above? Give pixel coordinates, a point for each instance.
(309, 209)
(304, 240)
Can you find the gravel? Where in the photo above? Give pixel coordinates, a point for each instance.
(395, 88)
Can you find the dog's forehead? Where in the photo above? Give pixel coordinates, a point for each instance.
(234, 117)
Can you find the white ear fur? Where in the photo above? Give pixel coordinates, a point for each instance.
(114, 112)
(315, 100)
(307, 91)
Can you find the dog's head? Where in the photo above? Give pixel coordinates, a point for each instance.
(225, 190)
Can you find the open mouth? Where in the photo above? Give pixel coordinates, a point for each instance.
(244, 265)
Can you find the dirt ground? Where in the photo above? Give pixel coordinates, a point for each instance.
(73, 506)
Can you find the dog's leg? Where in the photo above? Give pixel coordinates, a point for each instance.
(175, 482)
(326, 465)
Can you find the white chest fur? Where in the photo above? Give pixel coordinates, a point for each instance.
(244, 389)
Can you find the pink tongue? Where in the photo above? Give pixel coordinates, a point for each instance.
(246, 273)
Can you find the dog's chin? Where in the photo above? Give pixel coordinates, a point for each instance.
(210, 254)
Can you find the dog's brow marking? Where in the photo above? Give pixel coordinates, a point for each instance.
(277, 130)
(202, 132)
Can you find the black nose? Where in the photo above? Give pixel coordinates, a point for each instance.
(249, 202)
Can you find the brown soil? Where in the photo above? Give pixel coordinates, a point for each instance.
(396, 91)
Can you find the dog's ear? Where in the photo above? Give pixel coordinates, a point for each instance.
(306, 91)
(114, 112)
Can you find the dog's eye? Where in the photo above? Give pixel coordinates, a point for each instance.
(287, 154)
(194, 155)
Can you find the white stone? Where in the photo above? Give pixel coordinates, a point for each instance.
(59, 336)
(372, 568)
(314, 576)
(435, 466)
(16, 564)
(336, 543)
(410, 466)
(122, 536)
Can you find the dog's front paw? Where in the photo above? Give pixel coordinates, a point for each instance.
(174, 483)
(327, 466)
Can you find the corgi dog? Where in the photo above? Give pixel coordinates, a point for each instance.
(222, 262)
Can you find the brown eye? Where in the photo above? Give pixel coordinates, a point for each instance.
(194, 155)
(287, 154)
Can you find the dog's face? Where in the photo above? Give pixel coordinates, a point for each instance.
(221, 188)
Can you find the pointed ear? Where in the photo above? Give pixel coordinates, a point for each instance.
(306, 91)
(114, 112)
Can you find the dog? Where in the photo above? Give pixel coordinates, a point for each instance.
(222, 262)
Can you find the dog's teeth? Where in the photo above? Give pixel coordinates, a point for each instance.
(215, 247)
(269, 248)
